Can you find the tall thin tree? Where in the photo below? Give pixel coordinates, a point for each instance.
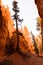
(16, 18)
(35, 44)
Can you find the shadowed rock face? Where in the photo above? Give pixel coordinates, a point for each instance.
(39, 4)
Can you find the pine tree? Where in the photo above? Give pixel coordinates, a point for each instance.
(16, 18)
(35, 45)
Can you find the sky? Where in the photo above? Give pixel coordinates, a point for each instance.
(28, 12)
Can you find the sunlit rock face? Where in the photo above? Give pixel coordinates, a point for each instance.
(23, 44)
(6, 14)
(25, 41)
(3, 39)
(28, 38)
(6, 29)
(3, 35)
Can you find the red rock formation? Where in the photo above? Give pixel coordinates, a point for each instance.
(6, 28)
(28, 38)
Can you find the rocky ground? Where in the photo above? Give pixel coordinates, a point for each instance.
(18, 59)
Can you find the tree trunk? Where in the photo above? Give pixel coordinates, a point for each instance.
(42, 34)
(17, 34)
